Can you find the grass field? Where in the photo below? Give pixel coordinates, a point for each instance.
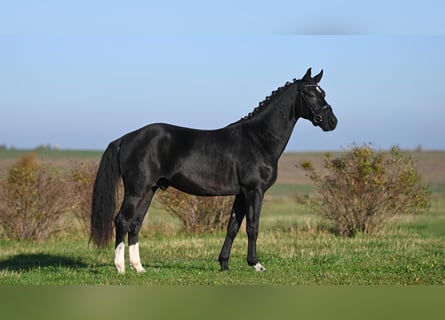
(291, 257)
(291, 245)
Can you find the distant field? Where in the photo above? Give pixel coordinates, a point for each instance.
(293, 244)
(50, 154)
(57, 157)
(431, 164)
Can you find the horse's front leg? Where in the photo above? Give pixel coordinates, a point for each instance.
(237, 215)
(252, 227)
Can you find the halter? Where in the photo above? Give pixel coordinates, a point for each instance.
(317, 117)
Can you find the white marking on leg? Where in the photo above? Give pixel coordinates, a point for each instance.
(119, 258)
(259, 267)
(135, 260)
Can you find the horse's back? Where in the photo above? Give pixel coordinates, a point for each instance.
(202, 162)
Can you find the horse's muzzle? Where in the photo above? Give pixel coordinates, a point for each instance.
(326, 120)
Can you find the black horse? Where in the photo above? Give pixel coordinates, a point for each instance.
(240, 159)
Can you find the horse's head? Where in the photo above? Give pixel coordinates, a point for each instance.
(312, 102)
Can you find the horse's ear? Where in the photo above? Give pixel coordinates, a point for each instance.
(317, 78)
(307, 76)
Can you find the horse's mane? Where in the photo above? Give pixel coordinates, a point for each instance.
(263, 104)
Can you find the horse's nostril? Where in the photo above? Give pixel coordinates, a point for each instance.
(332, 121)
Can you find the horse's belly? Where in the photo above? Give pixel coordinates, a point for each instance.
(206, 183)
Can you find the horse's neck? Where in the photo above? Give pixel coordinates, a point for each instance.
(274, 125)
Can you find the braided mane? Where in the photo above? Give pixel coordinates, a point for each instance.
(263, 104)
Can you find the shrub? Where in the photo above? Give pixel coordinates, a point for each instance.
(82, 178)
(33, 199)
(364, 190)
(197, 214)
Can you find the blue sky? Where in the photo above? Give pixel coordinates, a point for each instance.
(80, 74)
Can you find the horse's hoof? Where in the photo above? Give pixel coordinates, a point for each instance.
(138, 267)
(259, 268)
(120, 266)
(224, 265)
(120, 269)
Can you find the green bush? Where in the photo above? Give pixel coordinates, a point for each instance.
(365, 190)
(197, 214)
(33, 199)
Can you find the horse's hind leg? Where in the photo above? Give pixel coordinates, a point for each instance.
(133, 234)
(133, 209)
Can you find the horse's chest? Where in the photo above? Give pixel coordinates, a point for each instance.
(261, 174)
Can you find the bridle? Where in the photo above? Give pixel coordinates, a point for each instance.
(317, 117)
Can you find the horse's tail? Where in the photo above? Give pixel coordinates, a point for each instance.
(104, 196)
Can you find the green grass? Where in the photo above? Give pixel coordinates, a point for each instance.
(287, 190)
(291, 245)
(291, 258)
(431, 224)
